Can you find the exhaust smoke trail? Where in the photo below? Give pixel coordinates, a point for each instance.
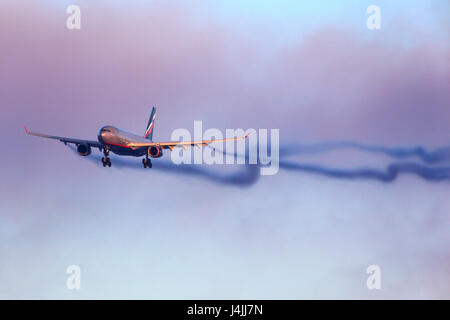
(431, 157)
(390, 174)
(250, 174)
(246, 176)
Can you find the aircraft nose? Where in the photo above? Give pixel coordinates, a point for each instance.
(103, 133)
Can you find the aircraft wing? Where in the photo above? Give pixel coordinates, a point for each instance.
(184, 144)
(91, 143)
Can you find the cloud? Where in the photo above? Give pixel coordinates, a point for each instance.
(115, 69)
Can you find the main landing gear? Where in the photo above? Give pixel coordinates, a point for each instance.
(106, 161)
(147, 162)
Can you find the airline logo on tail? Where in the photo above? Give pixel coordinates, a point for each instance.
(151, 123)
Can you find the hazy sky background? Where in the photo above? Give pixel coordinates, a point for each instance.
(311, 69)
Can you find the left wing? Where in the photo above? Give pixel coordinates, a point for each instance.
(184, 144)
(91, 143)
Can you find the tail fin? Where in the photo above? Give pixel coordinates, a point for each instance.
(151, 123)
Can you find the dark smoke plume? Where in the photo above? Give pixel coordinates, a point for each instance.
(248, 175)
(391, 172)
(245, 176)
(430, 157)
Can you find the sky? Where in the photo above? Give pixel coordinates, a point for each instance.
(345, 99)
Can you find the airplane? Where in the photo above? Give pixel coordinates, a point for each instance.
(125, 143)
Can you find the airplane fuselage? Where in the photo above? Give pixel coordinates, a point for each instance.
(121, 142)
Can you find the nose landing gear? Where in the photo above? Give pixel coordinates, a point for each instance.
(106, 161)
(147, 162)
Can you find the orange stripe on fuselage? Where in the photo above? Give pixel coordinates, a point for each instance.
(118, 145)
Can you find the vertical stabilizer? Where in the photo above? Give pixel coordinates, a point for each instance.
(150, 125)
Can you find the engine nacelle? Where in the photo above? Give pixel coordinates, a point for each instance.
(84, 150)
(155, 151)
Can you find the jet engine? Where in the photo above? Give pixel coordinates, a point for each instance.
(84, 149)
(155, 151)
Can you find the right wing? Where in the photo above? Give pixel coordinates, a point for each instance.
(91, 143)
(184, 144)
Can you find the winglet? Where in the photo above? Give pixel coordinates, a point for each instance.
(26, 130)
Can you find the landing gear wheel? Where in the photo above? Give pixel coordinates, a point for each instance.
(147, 163)
(106, 161)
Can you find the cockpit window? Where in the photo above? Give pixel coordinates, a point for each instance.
(106, 130)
